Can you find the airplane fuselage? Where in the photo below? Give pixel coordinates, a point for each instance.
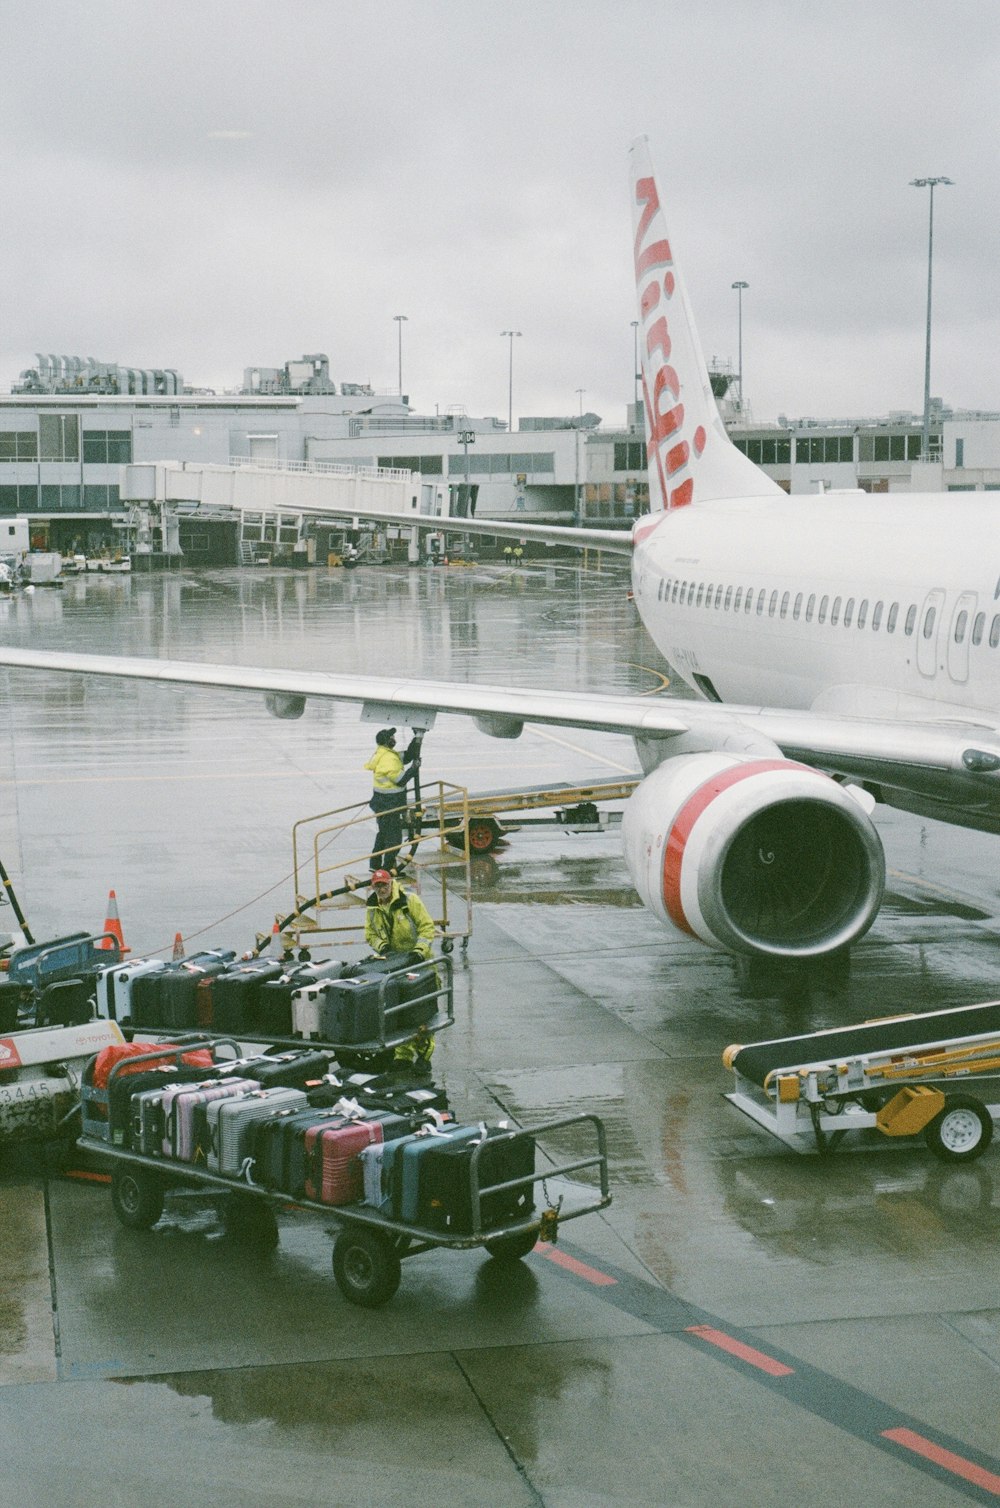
(861, 605)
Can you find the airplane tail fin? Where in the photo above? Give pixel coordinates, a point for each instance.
(691, 458)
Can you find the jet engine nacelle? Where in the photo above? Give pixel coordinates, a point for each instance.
(755, 856)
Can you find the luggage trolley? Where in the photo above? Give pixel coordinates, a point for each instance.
(369, 1246)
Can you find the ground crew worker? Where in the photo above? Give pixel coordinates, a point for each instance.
(518, 555)
(390, 777)
(507, 554)
(397, 921)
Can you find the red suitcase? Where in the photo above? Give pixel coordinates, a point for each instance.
(334, 1171)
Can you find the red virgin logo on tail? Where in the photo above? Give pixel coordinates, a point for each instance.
(666, 447)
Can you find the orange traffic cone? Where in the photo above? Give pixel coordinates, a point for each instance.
(113, 925)
(276, 947)
(178, 946)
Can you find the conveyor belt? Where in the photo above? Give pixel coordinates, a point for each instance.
(755, 1061)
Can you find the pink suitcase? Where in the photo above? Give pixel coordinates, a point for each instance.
(184, 1113)
(334, 1171)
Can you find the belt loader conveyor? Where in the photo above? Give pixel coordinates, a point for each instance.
(936, 1075)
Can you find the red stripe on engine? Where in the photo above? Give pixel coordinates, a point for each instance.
(680, 831)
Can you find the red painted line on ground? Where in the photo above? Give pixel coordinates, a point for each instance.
(580, 1269)
(946, 1458)
(89, 1177)
(737, 1348)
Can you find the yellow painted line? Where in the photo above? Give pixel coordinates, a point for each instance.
(922, 884)
(664, 680)
(554, 738)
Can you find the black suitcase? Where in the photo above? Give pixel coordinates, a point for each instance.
(169, 996)
(124, 1085)
(400, 1089)
(236, 994)
(279, 1149)
(275, 998)
(444, 1194)
(418, 988)
(350, 1012)
(287, 1070)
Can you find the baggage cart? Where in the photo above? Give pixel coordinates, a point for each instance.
(369, 1246)
(935, 1075)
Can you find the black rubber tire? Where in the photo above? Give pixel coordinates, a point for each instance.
(961, 1131)
(484, 835)
(250, 1222)
(447, 945)
(136, 1197)
(513, 1248)
(366, 1267)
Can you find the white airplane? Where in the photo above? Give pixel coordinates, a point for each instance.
(845, 648)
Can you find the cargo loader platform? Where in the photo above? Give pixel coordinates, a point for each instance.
(935, 1075)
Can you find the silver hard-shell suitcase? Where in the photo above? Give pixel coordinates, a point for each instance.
(231, 1122)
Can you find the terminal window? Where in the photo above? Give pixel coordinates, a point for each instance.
(772, 451)
(630, 455)
(813, 449)
(426, 465)
(902, 447)
(18, 445)
(58, 437)
(109, 447)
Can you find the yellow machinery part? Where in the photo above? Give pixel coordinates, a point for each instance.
(909, 1111)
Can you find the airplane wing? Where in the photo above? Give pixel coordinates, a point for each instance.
(937, 758)
(616, 541)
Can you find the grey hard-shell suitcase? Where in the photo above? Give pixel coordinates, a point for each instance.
(231, 1123)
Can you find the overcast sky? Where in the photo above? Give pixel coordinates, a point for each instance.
(214, 184)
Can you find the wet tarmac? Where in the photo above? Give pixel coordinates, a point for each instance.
(742, 1323)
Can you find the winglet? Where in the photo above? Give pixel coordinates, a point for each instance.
(690, 456)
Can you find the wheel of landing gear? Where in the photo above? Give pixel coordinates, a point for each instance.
(136, 1198)
(513, 1248)
(961, 1131)
(366, 1267)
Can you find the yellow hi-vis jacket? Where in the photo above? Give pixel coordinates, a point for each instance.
(402, 925)
(386, 767)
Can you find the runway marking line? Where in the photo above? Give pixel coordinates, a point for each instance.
(735, 1347)
(910, 1440)
(574, 1265)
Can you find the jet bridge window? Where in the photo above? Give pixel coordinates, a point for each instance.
(718, 598)
(821, 616)
(729, 598)
(911, 619)
(979, 623)
(761, 600)
(784, 605)
(738, 599)
(848, 612)
(749, 602)
(810, 607)
(772, 604)
(691, 591)
(995, 632)
(890, 622)
(863, 612)
(797, 609)
(877, 617)
(961, 623)
(674, 591)
(835, 612)
(701, 593)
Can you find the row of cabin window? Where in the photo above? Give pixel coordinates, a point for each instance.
(729, 598)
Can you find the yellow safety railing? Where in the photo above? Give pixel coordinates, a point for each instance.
(331, 854)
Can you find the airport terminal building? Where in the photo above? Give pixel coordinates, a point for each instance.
(69, 429)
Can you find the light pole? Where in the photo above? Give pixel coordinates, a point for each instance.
(577, 514)
(400, 322)
(739, 285)
(931, 183)
(511, 336)
(635, 370)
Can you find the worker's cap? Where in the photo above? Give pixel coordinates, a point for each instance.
(384, 735)
(381, 877)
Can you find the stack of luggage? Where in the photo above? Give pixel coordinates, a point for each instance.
(346, 1004)
(289, 1123)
